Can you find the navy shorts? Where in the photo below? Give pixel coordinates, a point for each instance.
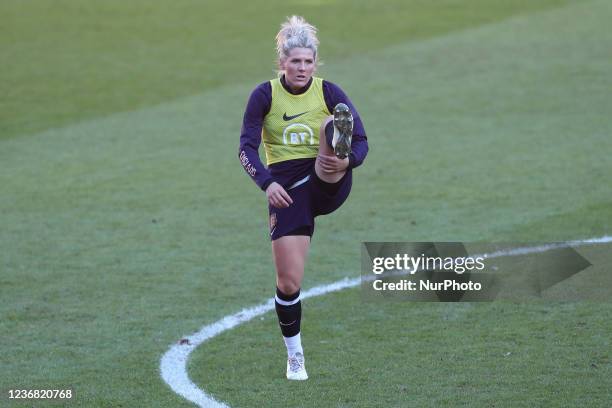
(310, 199)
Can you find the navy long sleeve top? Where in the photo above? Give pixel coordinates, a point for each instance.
(287, 172)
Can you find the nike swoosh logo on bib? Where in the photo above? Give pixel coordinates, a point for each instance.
(286, 118)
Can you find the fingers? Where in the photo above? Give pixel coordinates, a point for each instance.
(278, 197)
(284, 197)
(327, 159)
(327, 163)
(328, 168)
(278, 200)
(332, 164)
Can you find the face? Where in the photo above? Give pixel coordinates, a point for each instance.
(299, 66)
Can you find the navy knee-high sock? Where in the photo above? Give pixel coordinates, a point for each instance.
(289, 312)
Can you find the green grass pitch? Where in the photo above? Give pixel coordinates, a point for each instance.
(128, 222)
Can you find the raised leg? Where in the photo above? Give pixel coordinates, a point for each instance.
(328, 167)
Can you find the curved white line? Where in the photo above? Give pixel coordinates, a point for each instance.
(173, 365)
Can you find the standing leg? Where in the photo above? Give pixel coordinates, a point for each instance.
(290, 254)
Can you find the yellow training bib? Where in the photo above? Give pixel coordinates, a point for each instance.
(291, 128)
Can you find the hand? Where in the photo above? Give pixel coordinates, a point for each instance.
(277, 196)
(332, 164)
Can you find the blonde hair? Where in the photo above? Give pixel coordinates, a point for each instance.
(296, 33)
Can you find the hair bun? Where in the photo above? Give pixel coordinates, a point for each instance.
(296, 32)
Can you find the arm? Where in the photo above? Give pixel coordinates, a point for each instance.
(257, 108)
(359, 146)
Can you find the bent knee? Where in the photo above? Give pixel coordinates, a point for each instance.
(287, 286)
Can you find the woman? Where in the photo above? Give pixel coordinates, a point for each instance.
(313, 138)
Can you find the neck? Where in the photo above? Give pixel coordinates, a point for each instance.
(293, 90)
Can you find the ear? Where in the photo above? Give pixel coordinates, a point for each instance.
(281, 63)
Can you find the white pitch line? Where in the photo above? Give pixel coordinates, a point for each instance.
(173, 366)
(545, 248)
